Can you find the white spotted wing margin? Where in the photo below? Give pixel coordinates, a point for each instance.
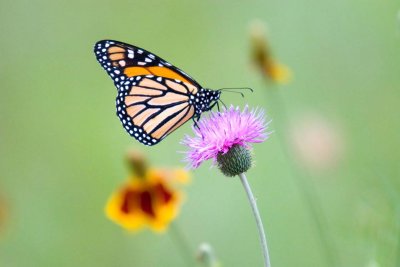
(115, 57)
(151, 107)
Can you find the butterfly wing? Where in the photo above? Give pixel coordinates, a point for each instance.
(151, 107)
(122, 61)
(154, 97)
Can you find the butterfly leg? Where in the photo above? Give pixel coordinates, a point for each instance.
(195, 120)
(213, 105)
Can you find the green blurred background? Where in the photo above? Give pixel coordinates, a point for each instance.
(62, 146)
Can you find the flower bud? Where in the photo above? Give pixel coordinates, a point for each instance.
(137, 163)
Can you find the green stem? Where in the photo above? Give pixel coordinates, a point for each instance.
(256, 213)
(393, 197)
(306, 188)
(182, 244)
(397, 260)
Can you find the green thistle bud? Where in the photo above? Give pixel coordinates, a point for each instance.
(236, 161)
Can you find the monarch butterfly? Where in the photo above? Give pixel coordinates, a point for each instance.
(154, 97)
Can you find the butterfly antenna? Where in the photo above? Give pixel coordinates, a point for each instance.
(229, 91)
(237, 88)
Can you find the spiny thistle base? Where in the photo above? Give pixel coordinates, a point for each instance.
(236, 161)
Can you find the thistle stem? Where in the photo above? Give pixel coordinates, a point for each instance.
(256, 213)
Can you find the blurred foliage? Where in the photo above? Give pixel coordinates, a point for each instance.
(63, 147)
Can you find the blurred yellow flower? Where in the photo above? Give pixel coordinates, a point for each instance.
(262, 56)
(148, 199)
(277, 72)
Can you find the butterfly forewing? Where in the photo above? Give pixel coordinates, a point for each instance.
(122, 61)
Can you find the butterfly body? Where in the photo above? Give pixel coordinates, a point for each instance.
(154, 97)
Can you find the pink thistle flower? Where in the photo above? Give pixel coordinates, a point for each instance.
(220, 131)
(225, 137)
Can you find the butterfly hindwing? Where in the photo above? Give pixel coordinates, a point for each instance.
(151, 107)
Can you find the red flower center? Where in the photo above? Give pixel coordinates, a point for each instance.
(145, 199)
(128, 201)
(146, 203)
(165, 195)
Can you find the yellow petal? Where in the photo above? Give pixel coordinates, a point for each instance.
(278, 72)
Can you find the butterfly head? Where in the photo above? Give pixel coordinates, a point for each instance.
(205, 99)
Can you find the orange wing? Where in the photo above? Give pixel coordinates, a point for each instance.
(151, 107)
(122, 61)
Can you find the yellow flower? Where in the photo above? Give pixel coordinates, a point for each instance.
(148, 199)
(262, 56)
(277, 72)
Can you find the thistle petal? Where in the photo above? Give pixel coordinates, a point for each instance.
(220, 131)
